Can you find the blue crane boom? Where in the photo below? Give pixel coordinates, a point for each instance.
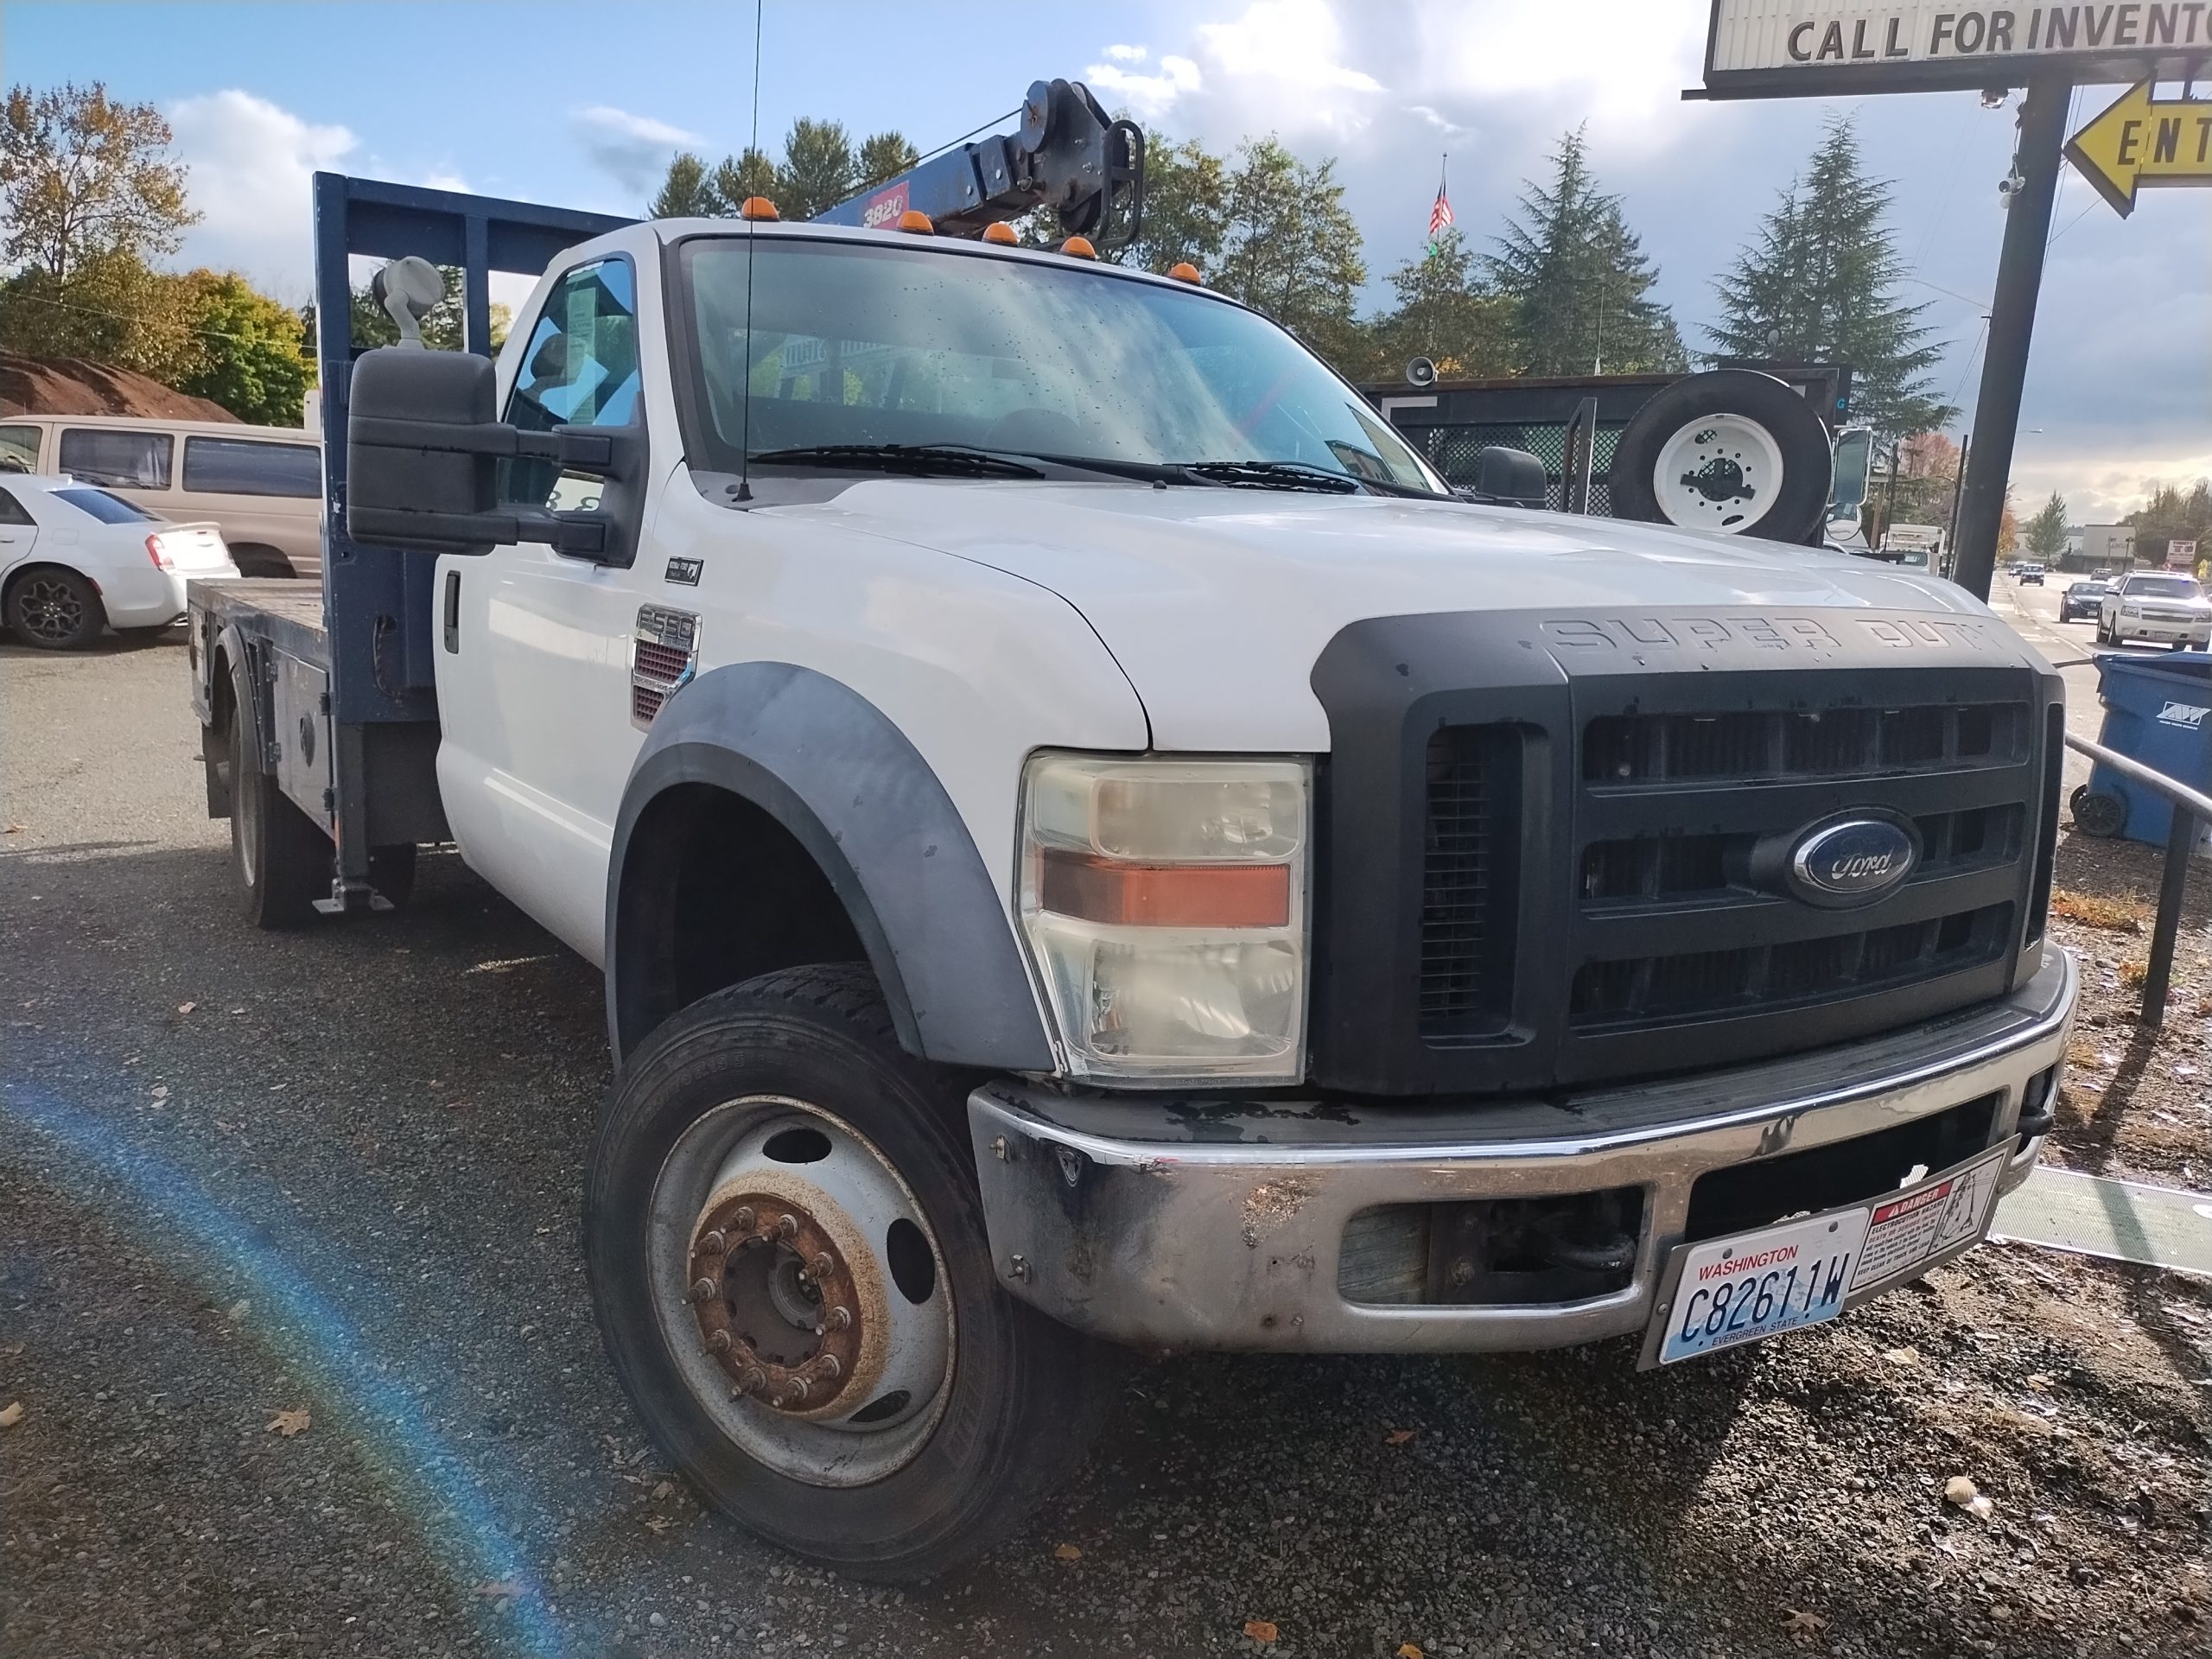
(1068, 154)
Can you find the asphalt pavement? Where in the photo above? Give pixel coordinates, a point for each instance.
(292, 1307)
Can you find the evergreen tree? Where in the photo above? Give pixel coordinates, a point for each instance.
(1818, 284)
(885, 155)
(2047, 530)
(1578, 279)
(819, 170)
(1448, 312)
(686, 192)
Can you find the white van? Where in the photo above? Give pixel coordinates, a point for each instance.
(262, 483)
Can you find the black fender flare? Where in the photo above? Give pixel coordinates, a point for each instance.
(834, 770)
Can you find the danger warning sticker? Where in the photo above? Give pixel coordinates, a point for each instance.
(1906, 1231)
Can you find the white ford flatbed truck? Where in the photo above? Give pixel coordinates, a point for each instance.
(1091, 844)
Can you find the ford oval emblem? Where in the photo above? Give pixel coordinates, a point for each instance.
(1851, 860)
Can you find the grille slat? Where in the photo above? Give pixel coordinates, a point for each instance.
(1771, 746)
(1767, 978)
(1468, 891)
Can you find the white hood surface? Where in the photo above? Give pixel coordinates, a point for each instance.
(1216, 601)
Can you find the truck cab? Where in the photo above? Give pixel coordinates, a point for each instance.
(1091, 845)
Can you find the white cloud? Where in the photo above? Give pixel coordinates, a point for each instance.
(250, 162)
(1295, 44)
(1148, 96)
(1126, 54)
(1449, 129)
(632, 149)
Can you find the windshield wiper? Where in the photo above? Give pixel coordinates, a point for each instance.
(1273, 474)
(943, 459)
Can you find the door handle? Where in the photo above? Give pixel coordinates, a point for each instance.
(453, 611)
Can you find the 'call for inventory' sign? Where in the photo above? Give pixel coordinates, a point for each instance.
(1769, 48)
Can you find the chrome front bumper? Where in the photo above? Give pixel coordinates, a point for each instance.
(1182, 1223)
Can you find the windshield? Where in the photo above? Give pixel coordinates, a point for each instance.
(2162, 587)
(853, 344)
(108, 509)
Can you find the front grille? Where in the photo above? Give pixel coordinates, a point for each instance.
(1469, 882)
(1770, 978)
(1773, 745)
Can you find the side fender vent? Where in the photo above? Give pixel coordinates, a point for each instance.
(664, 656)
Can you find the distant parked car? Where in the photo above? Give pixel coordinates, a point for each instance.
(2031, 574)
(75, 559)
(2081, 599)
(2157, 608)
(263, 485)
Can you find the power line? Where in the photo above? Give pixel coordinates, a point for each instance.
(130, 316)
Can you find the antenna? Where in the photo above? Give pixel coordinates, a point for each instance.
(751, 231)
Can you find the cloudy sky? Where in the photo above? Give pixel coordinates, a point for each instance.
(583, 103)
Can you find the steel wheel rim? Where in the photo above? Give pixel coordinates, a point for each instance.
(1706, 463)
(849, 1199)
(49, 609)
(245, 825)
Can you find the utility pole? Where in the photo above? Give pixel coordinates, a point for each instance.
(1958, 490)
(2011, 322)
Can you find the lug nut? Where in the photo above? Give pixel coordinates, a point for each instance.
(714, 1243)
(838, 1319)
(718, 1342)
(702, 1289)
(751, 1380)
(788, 1227)
(822, 1265)
(828, 1366)
(743, 1219)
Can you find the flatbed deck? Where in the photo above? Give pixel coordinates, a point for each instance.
(288, 613)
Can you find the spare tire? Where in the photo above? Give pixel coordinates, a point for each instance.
(1731, 450)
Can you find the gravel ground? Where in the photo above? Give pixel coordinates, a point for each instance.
(328, 1183)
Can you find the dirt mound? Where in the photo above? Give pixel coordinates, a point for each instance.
(69, 385)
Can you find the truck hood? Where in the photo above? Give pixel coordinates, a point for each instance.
(1217, 602)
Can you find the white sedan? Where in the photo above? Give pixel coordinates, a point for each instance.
(75, 559)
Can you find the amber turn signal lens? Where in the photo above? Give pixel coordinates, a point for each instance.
(1164, 895)
(1079, 247)
(999, 233)
(916, 223)
(1185, 271)
(759, 208)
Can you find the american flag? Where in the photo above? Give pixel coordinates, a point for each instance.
(1439, 218)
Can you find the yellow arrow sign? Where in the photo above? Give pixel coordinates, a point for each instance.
(2140, 141)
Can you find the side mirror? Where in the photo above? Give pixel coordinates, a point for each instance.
(1511, 478)
(422, 453)
(1854, 461)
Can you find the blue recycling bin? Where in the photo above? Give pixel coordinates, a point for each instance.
(2157, 710)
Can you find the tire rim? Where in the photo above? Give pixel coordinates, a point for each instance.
(245, 827)
(49, 609)
(800, 1291)
(1722, 472)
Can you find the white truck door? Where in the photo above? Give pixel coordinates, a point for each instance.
(534, 660)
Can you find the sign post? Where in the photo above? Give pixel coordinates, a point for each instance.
(1798, 48)
(2012, 321)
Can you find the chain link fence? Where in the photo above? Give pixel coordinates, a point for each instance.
(1456, 451)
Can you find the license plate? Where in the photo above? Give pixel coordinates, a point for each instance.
(1803, 1273)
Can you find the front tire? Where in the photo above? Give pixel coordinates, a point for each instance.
(55, 609)
(941, 1410)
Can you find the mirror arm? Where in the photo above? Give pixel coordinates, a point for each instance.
(583, 534)
(607, 453)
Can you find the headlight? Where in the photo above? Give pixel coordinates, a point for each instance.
(2130, 607)
(1164, 903)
